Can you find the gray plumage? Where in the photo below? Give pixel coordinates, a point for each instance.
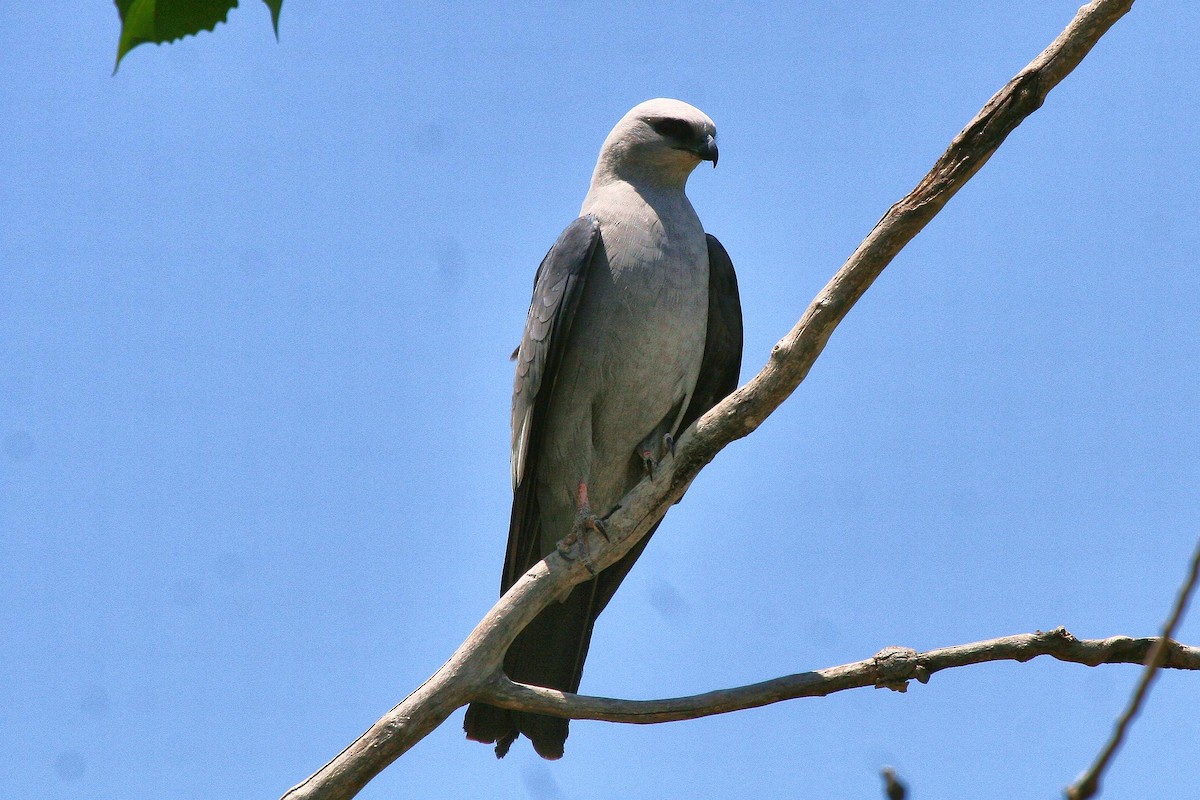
(633, 332)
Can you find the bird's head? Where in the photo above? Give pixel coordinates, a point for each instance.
(660, 141)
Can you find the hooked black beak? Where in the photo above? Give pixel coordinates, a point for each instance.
(707, 150)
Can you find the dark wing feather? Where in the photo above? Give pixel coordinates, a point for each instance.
(557, 288)
(722, 363)
(559, 284)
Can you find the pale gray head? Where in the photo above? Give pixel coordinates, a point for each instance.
(658, 142)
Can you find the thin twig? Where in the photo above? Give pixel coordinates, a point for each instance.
(1088, 784)
(891, 668)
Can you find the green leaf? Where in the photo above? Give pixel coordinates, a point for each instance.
(159, 21)
(275, 6)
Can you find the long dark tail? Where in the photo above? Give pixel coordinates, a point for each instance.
(550, 652)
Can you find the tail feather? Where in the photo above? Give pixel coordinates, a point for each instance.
(491, 725)
(550, 652)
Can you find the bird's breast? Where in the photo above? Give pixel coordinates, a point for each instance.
(647, 311)
(636, 344)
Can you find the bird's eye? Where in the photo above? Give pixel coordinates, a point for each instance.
(672, 128)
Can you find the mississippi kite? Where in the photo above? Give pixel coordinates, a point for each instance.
(634, 331)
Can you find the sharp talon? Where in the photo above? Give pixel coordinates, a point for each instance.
(600, 526)
(567, 549)
(648, 464)
(669, 441)
(565, 545)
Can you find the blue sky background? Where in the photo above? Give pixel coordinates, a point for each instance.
(256, 303)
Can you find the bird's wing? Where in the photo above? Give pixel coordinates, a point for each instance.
(722, 362)
(557, 288)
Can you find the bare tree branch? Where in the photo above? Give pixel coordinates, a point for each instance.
(1089, 782)
(471, 670)
(891, 668)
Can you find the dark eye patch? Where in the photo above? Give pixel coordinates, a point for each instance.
(672, 128)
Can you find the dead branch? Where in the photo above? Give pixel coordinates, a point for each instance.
(891, 668)
(472, 670)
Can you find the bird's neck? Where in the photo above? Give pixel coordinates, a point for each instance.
(620, 201)
(663, 172)
(619, 182)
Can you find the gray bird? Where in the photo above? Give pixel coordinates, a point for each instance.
(634, 331)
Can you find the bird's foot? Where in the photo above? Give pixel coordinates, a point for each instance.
(648, 462)
(653, 452)
(585, 521)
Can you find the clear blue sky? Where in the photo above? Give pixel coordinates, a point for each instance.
(256, 302)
